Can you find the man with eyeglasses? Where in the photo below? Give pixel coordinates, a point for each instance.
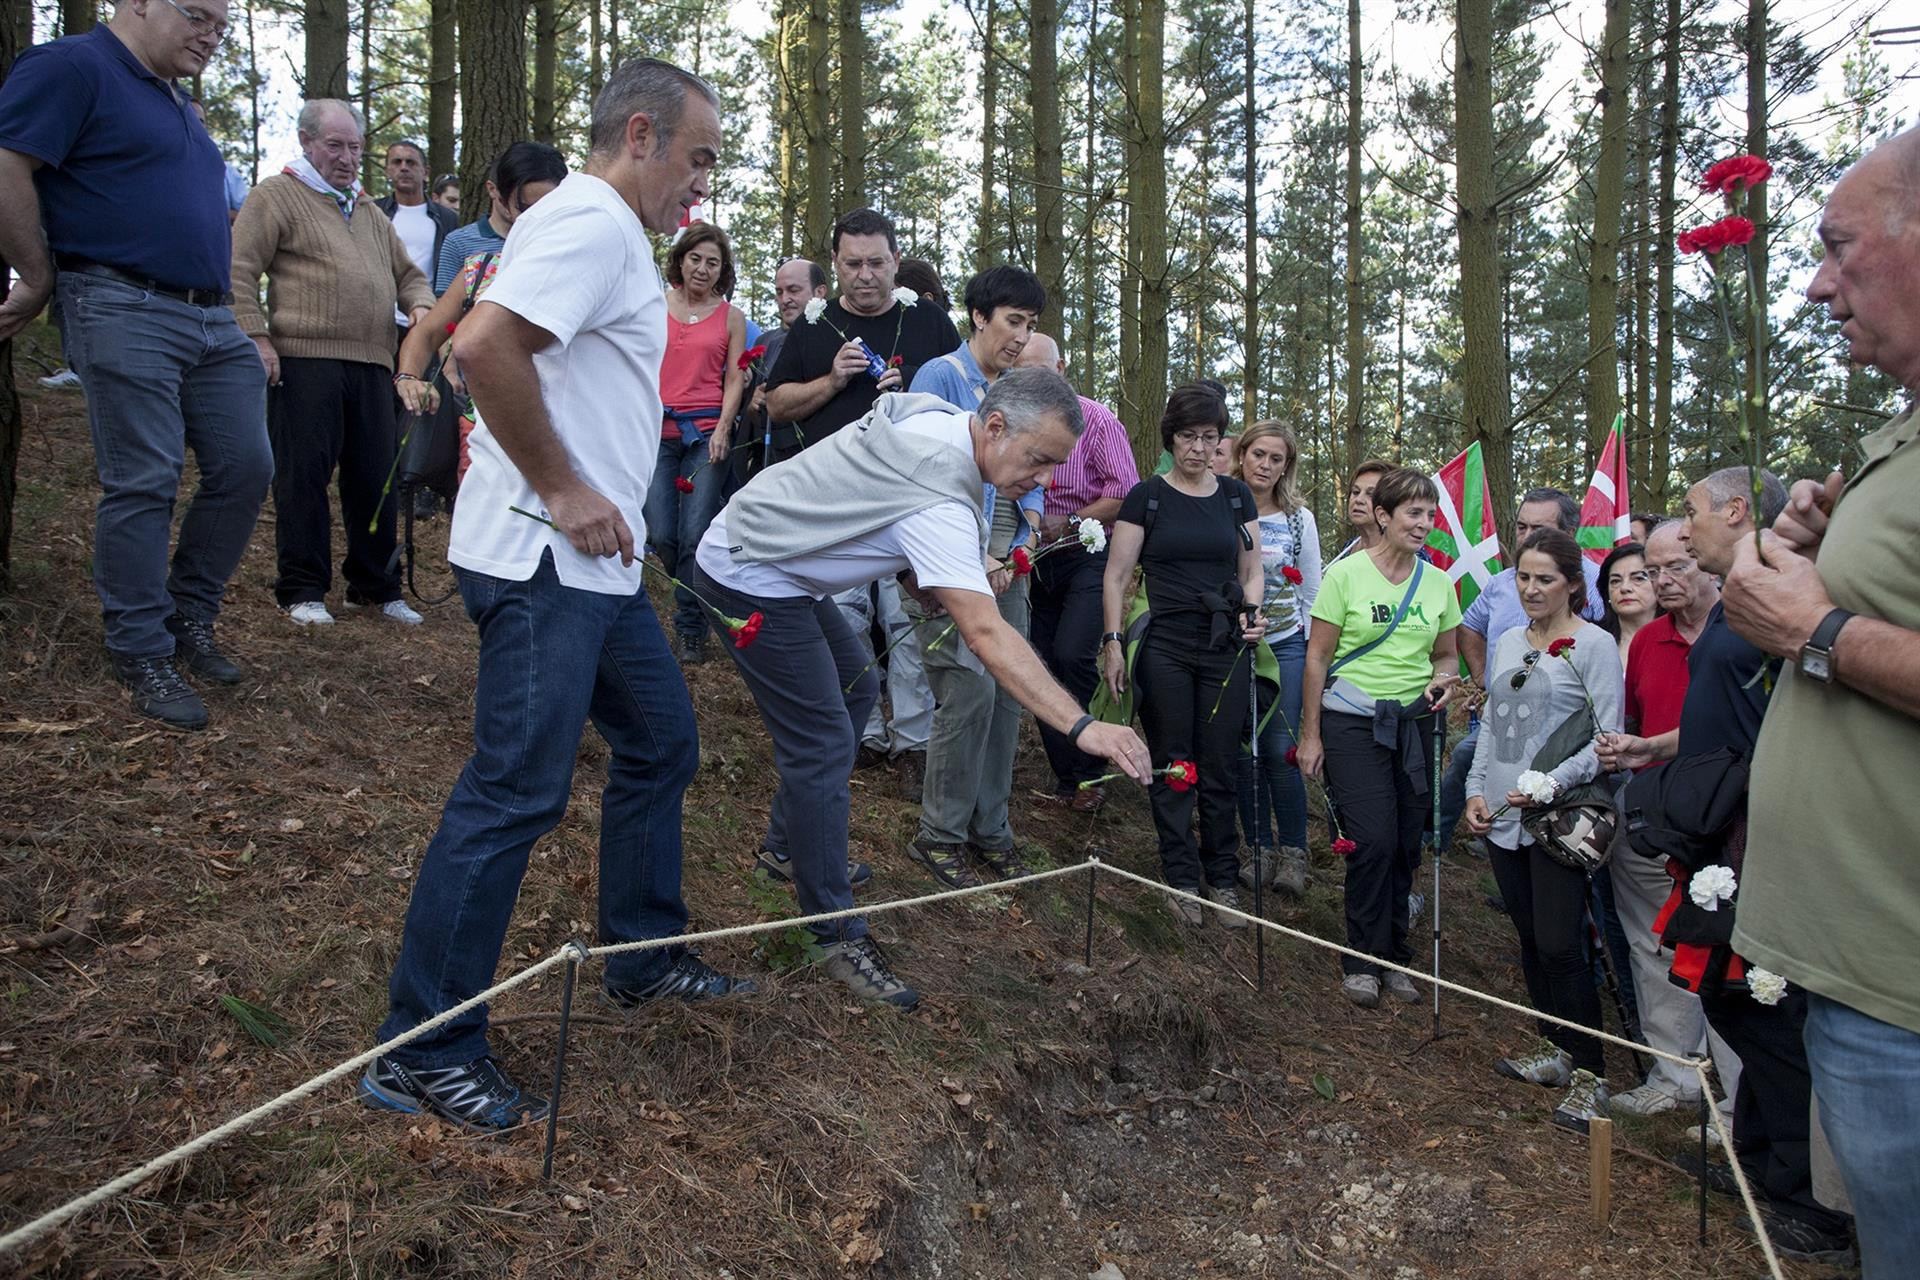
(113, 202)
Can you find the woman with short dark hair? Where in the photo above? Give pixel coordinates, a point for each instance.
(1381, 661)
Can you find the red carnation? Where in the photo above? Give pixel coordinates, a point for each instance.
(751, 354)
(896, 362)
(1716, 236)
(1736, 172)
(1344, 846)
(1022, 562)
(743, 635)
(1181, 775)
(452, 325)
(683, 484)
(1292, 757)
(1560, 648)
(1292, 574)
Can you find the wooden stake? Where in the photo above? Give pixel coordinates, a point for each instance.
(1600, 1170)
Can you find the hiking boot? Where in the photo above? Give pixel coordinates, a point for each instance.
(1189, 912)
(1586, 1100)
(1719, 1177)
(194, 649)
(1803, 1240)
(691, 650)
(392, 610)
(1228, 897)
(861, 964)
(913, 775)
(477, 1096)
(1267, 862)
(1545, 1065)
(159, 692)
(1399, 986)
(870, 756)
(1650, 1099)
(1291, 877)
(948, 862)
(780, 867)
(1087, 799)
(1004, 864)
(687, 978)
(310, 613)
(1361, 988)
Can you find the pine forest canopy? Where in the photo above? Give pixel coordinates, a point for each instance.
(1399, 230)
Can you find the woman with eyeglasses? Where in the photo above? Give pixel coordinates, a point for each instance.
(1626, 584)
(1531, 692)
(1197, 536)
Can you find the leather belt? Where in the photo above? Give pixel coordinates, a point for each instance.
(192, 297)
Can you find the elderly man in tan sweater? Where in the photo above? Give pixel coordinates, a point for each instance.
(335, 270)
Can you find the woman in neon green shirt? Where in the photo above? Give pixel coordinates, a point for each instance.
(1381, 655)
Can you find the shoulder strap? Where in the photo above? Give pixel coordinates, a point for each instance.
(953, 359)
(473, 280)
(1239, 525)
(1406, 602)
(1293, 526)
(1153, 505)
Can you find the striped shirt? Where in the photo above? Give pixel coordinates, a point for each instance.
(1100, 466)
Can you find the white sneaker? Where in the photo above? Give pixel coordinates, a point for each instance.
(1399, 986)
(310, 613)
(65, 380)
(1650, 1099)
(1545, 1065)
(1361, 988)
(1713, 1135)
(394, 610)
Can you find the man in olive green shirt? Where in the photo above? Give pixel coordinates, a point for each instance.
(1830, 898)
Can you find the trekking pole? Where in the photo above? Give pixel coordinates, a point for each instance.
(1439, 741)
(1259, 824)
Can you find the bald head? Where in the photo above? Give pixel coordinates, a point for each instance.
(1041, 352)
(1869, 278)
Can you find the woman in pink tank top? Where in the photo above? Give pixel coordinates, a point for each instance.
(701, 383)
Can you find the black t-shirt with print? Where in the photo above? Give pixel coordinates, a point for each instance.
(1193, 547)
(917, 334)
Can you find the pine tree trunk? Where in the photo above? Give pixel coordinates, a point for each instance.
(15, 35)
(1660, 450)
(371, 159)
(1354, 445)
(989, 102)
(1609, 194)
(1150, 210)
(819, 215)
(853, 105)
(546, 59)
(596, 70)
(493, 85)
(1043, 96)
(1129, 384)
(1756, 209)
(443, 87)
(1483, 370)
(1250, 298)
(76, 16)
(253, 96)
(1090, 228)
(1638, 454)
(326, 36)
(788, 126)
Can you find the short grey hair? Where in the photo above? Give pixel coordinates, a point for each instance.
(314, 111)
(1728, 483)
(648, 87)
(1027, 398)
(1567, 511)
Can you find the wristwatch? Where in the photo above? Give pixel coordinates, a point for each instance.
(1113, 637)
(1816, 655)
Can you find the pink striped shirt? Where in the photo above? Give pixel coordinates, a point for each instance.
(1100, 466)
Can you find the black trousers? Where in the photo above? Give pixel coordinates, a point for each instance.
(1180, 688)
(327, 414)
(1379, 810)
(1064, 626)
(1770, 1118)
(1548, 903)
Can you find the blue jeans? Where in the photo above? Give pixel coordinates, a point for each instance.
(1866, 1079)
(677, 521)
(162, 377)
(551, 658)
(1285, 792)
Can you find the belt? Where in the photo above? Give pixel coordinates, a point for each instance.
(192, 297)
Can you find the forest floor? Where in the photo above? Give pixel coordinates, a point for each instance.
(1036, 1118)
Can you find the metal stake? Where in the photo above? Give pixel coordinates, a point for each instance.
(1093, 874)
(576, 951)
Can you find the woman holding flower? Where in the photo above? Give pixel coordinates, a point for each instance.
(1557, 666)
(1268, 458)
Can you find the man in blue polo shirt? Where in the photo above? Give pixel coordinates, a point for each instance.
(111, 189)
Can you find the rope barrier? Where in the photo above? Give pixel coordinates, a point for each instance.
(574, 952)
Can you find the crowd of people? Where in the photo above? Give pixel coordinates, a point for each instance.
(907, 539)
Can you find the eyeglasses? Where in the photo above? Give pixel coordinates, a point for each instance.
(1639, 577)
(1678, 570)
(1196, 440)
(1526, 669)
(200, 22)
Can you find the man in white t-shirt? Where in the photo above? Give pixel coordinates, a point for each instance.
(907, 481)
(421, 224)
(563, 359)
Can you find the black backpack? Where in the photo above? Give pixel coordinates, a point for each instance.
(1683, 809)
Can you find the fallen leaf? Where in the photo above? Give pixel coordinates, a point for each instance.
(290, 825)
(1323, 1085)
(354, 868)
(574, 1203)
(133, 918)
(1430, 1144)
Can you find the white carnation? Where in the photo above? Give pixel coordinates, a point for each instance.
(1767, 988)
(1536, 786)
(816, 307)
(905, 296)
(1093, 535)
(1712, 886)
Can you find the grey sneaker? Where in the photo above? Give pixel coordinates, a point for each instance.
(1650, 1099)
(1292, 876)
(861, 964)
(1400, 986)
(1361, 988)
(1586, 1100)
(1268, 863)
(1545, 1065)
(1228, 897)
(1189, 911)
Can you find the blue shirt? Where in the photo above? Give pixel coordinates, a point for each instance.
(128, 177)
(1497, 610)
(462, 243)
(1726, 694)
(963, 388)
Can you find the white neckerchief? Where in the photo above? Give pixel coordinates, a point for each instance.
(302, 168)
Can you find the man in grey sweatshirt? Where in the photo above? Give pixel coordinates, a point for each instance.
(897, 493)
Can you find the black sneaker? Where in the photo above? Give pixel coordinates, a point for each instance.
(948, 862)
(780, 867)
(194, 649)
(692, 650)
(861, 964)
(687, 978)
(477, 1096)
(1803, 1240)
(1005, 864)
(1719, 1176)
(159, 692)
